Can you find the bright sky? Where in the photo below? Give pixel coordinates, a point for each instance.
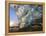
(13, 17)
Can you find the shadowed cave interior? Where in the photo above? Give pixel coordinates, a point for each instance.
(29, 18)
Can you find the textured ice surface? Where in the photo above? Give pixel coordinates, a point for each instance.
(28, 13)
